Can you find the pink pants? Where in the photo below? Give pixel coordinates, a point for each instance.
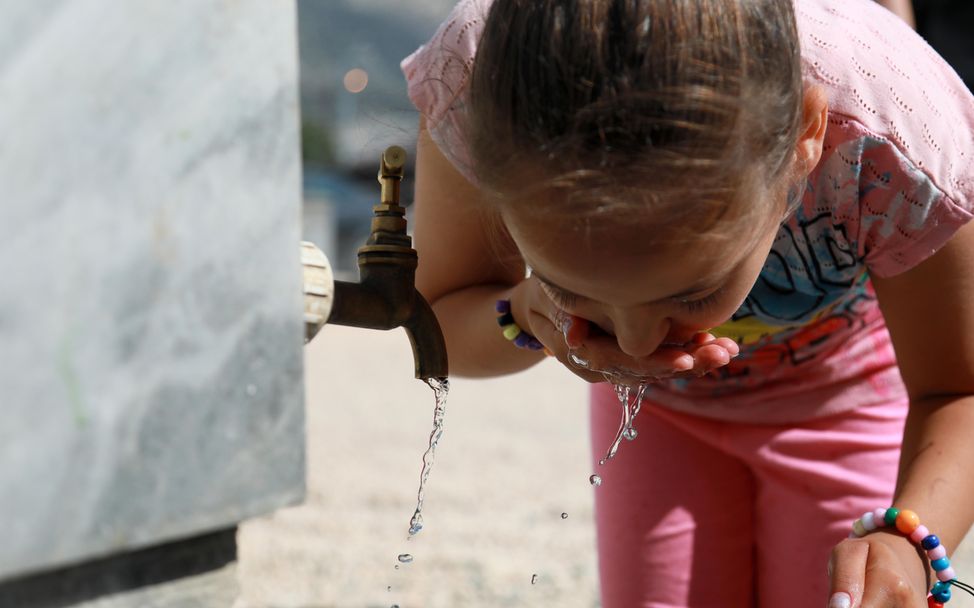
(703, 513)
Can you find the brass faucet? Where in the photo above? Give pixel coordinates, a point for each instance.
(385, 296)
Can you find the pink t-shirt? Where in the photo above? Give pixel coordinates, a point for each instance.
(895, 182)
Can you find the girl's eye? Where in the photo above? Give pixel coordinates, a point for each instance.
(694, 306)
(562, 299)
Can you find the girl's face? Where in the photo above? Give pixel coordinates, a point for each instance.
(643, 296)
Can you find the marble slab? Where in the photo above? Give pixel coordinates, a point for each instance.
(150, 284)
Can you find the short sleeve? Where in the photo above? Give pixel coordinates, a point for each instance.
(437, 75)
(898, 164)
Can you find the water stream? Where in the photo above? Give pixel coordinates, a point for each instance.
(441, 388)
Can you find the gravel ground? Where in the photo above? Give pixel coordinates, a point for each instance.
(513, 457)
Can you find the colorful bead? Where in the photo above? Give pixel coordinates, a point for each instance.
(940, 564)
(941, 591)
(933, 603)
(511, 331)
(907, 521)
(919, 534)
(879, 516)
(937, 552)
(930, 542)
(947, 574)
(503, 307)
(859, 529)
(890, 517)
(868, 521)
(506, 319)
(521, 340)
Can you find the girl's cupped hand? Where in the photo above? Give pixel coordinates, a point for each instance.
(595, 356)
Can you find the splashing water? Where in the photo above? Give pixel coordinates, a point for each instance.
(441, 388)
(630, 407)
(631, 400)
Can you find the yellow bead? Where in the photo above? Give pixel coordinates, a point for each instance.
(907, 521)
(511, 331)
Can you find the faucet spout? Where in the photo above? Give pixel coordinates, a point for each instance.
(426, 338)
(385, 296)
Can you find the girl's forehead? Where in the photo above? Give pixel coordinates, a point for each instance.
(612, 261)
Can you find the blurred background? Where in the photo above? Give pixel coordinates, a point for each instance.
(354, 105)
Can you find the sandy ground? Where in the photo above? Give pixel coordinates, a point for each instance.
(513, 457)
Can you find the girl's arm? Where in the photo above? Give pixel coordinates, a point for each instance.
(466, 265)
(902, 8)
(930, 314)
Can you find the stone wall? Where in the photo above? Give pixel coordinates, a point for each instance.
(150, 283)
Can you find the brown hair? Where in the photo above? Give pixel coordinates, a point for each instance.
(678, 105)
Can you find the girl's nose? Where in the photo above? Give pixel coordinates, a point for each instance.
(640, 335)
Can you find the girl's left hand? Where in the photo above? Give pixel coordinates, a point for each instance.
(879, 570)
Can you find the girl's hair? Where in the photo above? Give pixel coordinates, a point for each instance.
(680, 107)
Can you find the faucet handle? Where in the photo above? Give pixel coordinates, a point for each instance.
(392, 167)
(319, 289)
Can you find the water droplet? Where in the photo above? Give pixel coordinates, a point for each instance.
(389, 588)
(397, 566)
(595, 480)
(405, 558)
(564, 515)
(630, 433)
(251, 390)
(534, 578)
(601, 462)
(394, 606)
(577, 360)
(416, 523)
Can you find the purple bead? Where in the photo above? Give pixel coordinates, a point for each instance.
(930, 542)
(503, 306)
(937, 552)
(947, 574)
(505, 319)
(522, 340)
(535, 344)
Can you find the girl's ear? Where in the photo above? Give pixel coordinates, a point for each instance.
(815, 113)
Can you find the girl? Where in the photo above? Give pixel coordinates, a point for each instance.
(794, 178)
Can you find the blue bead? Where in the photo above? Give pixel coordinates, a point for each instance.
(503, 306)
(940, 564)
(930, 542)
(522, 340)
(505, 319)
(940, 586)
(942, 596)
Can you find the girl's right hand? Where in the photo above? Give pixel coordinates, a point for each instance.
(596, 357)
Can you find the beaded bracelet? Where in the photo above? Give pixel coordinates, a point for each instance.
(908, 523)
(512, 331)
